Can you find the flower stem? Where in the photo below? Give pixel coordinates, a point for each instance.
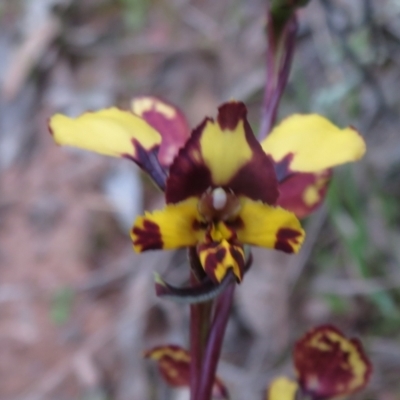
(281, 44)
(214, 343)
(200, 315)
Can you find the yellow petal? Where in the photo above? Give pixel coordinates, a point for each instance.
(282, 389)
(112, 132)
(313, 142)
(177, 225)
(272, 227)
(225, 150)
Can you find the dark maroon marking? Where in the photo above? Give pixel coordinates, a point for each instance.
(326, 366)
(283, 238)
(235, 224)
(291, 192)
(186, 176)
(229, 114)
(148, 161)
(212, 261)
(49, 127)
(256, 179)
(149, 237)
(239, 258)
(174, 131)
(288, 234)
(282, 167)
(199, 225)
(208, 245)
(214, 258)
(284, 246)
(220, 254)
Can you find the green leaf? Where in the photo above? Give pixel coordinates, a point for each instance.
(61, 305)
(135, 13)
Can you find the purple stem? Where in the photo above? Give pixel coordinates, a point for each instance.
(280, 52)
(215, 338)
(199, 326)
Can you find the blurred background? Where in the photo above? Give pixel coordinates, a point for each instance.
(77, 306)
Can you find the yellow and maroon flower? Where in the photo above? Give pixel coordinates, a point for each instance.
(223, 188)
(328, 366)
(221, 194)
(174, 366)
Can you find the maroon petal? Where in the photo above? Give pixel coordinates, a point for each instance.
(168, 120)
(303, 193)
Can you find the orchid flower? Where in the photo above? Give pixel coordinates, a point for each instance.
(328, 366)
(223, 189)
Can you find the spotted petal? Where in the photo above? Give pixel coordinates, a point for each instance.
(272, 227)
(223, 153)
(217, 258)
(173, 227)
(282, 388)
(112, 132)
(165, 119)
(174, 365)
(303, 193)
(311, 143)
(330, 365)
